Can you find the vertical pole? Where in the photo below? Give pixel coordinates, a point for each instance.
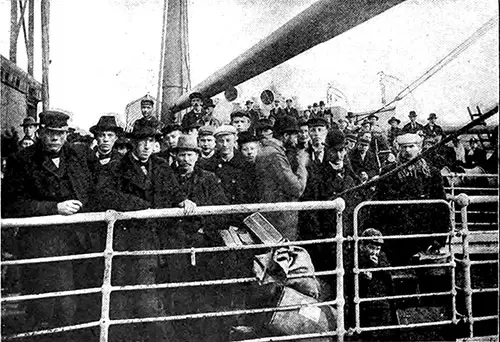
(162, 53)
(13, 31)
(31, 36)
(106, 282)
(467, 270)
(45, 12)
(356, 276)
(340, 277)
(453, 267)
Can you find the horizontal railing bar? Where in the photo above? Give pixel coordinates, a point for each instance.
(406, 326)
(470, 189)
(410, 236)
(337, 204)
(483, 262)
(52, 331)
(407, 267)
(485, 318)
(416, 295)
(454, 174)
(483, 199)
(212, 282)
(485, 290)
(217, 314)
(478, 212)
(52, 259)
(478, 223)
(51, 294)
(223, 248)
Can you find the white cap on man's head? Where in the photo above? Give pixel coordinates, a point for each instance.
(408, 139)
(225, 129)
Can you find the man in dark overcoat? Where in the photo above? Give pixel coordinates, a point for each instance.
(196, 112)
(363, 160)
(431, 129)
(413, 126)
(276, 179)
(204, 188)
(141, 180)
(418, 181)
(50, 178)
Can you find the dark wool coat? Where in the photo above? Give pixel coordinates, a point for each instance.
(369, 164)
(475, 158)
(410, 219)
(276, 182)
(191, 118)
(408, 128)
(432, 131)
(235, 175)
(101, 172)
(291, 112)
(33, 186)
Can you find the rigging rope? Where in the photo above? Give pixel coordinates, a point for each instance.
(438, 66)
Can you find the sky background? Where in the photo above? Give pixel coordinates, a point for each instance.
(106, 53)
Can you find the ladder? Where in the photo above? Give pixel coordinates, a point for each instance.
(484, 138)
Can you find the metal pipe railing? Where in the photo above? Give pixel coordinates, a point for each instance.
(357, 270)
(110, 217)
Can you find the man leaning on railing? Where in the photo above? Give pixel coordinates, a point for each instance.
(49, 178)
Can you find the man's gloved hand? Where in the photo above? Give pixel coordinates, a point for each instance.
(69, 207)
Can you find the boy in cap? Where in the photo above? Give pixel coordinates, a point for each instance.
(206, 141)
(51, 178)
(249, 146)
(318, 130)
(363, 160)
(171, 134)
(147, 104)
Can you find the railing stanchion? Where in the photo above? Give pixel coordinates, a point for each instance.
(453, 268)
(340, 276)
(463, 201)
(106, 283)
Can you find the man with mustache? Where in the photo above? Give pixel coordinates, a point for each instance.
(420, 180)
(50, 178)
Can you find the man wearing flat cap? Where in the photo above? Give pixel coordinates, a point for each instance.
(50, 178)
(363, 160)
(170, 135)
(29, 126)
(417, 181)
(290, 110)
(206, 141)
(196, 112)
(141, 180)
(413, 126)
(253, 114)
(318, 129)
(147, 105)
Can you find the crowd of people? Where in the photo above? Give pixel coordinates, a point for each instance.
(285, 155)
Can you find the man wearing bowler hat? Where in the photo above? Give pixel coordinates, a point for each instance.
(50, 178)
(141, 180)
(290, 110)
(413, 126)
(196, 113)
(208, 119)
(431, 129)
(374, 127)
(394, 130)
(106, 133)
(29, 126)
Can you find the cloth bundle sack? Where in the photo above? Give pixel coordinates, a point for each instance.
(281, 264)
(307, 319)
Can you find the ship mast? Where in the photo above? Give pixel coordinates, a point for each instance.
(175, 79)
